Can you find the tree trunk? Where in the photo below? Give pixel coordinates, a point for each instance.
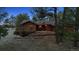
(56, 30)
(62, 26)
(76, 26)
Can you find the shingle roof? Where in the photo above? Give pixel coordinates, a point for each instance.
(49, 22)
(26, 21)
(38, 22)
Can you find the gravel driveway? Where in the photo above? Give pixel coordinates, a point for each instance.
(33, 42)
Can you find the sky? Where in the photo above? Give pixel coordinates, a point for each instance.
(18, 10)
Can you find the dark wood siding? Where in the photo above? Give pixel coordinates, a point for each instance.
(45, 27)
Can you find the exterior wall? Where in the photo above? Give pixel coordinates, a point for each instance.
(32, 27)
(45, 28)
(49, 28)
(40, 28)
(29, 27)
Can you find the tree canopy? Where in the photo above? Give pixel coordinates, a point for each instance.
(20, 18)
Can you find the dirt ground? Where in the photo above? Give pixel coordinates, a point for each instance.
(34, 42)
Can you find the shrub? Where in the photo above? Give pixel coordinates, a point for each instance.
(3, 32)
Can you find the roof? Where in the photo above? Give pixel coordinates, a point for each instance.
(26, 21)
(42, 23)
(38, 22)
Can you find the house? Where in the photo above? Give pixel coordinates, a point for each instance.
(29, 26)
